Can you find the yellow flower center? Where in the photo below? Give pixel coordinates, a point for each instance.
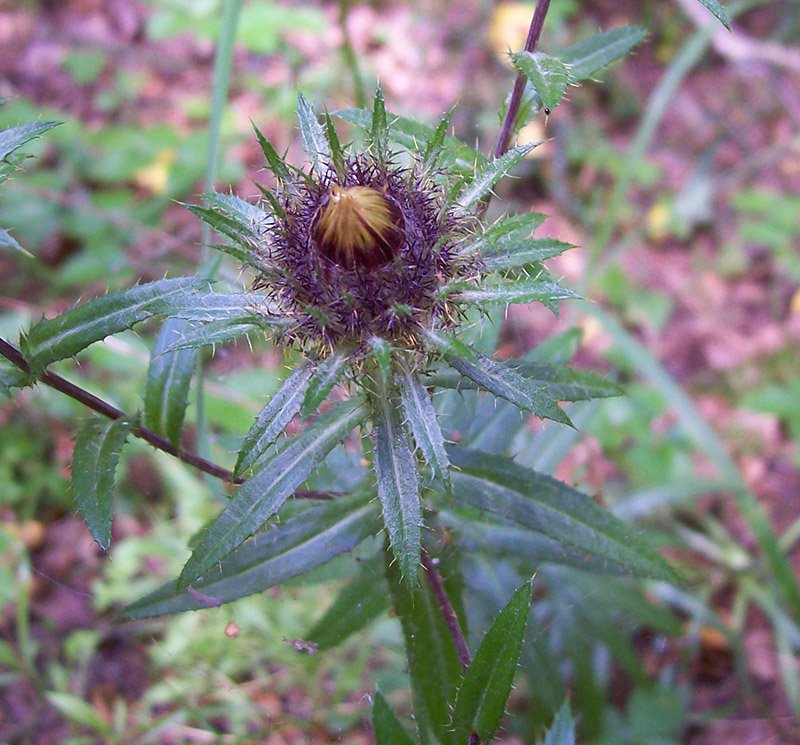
(358, 227)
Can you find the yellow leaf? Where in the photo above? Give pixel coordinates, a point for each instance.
(155, 177)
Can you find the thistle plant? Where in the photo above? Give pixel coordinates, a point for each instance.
(373, 262)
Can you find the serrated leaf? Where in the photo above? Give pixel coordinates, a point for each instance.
(523, 254)
(15, 137)
(436, 143)
(481, 699)
(276, 164)
(445, 344)
(528, 290)
(592, 54)
(8, 241)
(358, 603)
(562, 730)
(221, 331)
(490, 174)
(498, 485)
(326, 375)
(433, 663)
(337, 154)
(262, 495)
(169, 377)
(273, 418)
(549, 76)
(292, 548)
(69, 333)
(388, 730)
(422, 418)
(505, 233)
(94, 463)
(12, 377)
(315, 143)
(228, 228)
(379, 129)
(398, 487)
(493, 376)
(382, 352)
(251, 218)
(205, 307)
(719, 12)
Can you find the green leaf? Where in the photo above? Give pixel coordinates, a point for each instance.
(505, 233)
(436, 143)
(221, 331)
(94, 463)
(262, 495)
(433, 663)
(315, 143)
(69, 333)
(528, 290)
(481, 699)
(718, 11)
(337, 154)
(398, 487)
(493, 376)
(382, 352)
(524, 254)
(251, 219)
(447, 344)
(206, 307)
(388, 730)
(359, 602)
(498, 485)
(15, 137)
(592, 54)
(562, 730)
(12, 377)
(297, 546)
(78, 711)
(326, 374)
(8, 241)
(421, 416)
(379, 129)
(169, 376)
(549, 76)
(490, 174)
(273, 418)
(276, 164)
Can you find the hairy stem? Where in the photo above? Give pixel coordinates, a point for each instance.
(534, 32)
(16, 358)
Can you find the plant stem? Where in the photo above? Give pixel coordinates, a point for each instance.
(350, 55)
(15, 357)
(534, 32)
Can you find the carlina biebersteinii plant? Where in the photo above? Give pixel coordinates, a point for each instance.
(375, 264)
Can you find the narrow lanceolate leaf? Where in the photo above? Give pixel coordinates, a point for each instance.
(359, 602)
(543, 504)
(262, 495)
(168, 379)
(315, 143)
(482, 697)
(379, 129)
(388, 730)
(718, 11)
(12, 377)
(493, 376)
(421, 416)
(436, 143)
(326, 375)
(505, 233)
(382, 352)
(446, 344)
(250, 217)
(270, 423)
(227, 227)
(303, 542)
(562, 730)
(221, 331)
(523, 254)
(15, 137)
(337, 154)
(276, 164)
(529, 290)
(205, 307)
(69, 333)
(592, 54)
(490, 174)
(433, 664)
(94, 463)
(398, 487)
(549, 76)
(8, 241)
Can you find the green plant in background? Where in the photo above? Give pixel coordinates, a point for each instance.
(373, 265)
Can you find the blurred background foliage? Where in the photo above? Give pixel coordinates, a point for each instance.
(678, 178)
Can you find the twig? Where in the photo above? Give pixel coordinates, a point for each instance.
(534, 32)
(15, 357)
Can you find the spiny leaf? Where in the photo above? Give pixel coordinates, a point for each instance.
(482, 697)
(379, 129)
(169, 376)
(421, 415)
(497, 484)
(528, 290)
(262, 495)
(592, 54)
(548, 75)
(221, 331)
(337, 154)
(436, 143)
(302, 542)
(446, 344)
(276, 164)
(273, 418)
(382, 352)
(15, 137)
(490, 174)
(326, 375)
(94, 463)
(221, 306)
(504, 233)
(562, 730)
(315, 143)
(69, 333)
(493, 376)
(12, 377)
(252, 219)
(388, 730)
(524, 254)
(719, 12)
(8, 241)
(398, 487)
